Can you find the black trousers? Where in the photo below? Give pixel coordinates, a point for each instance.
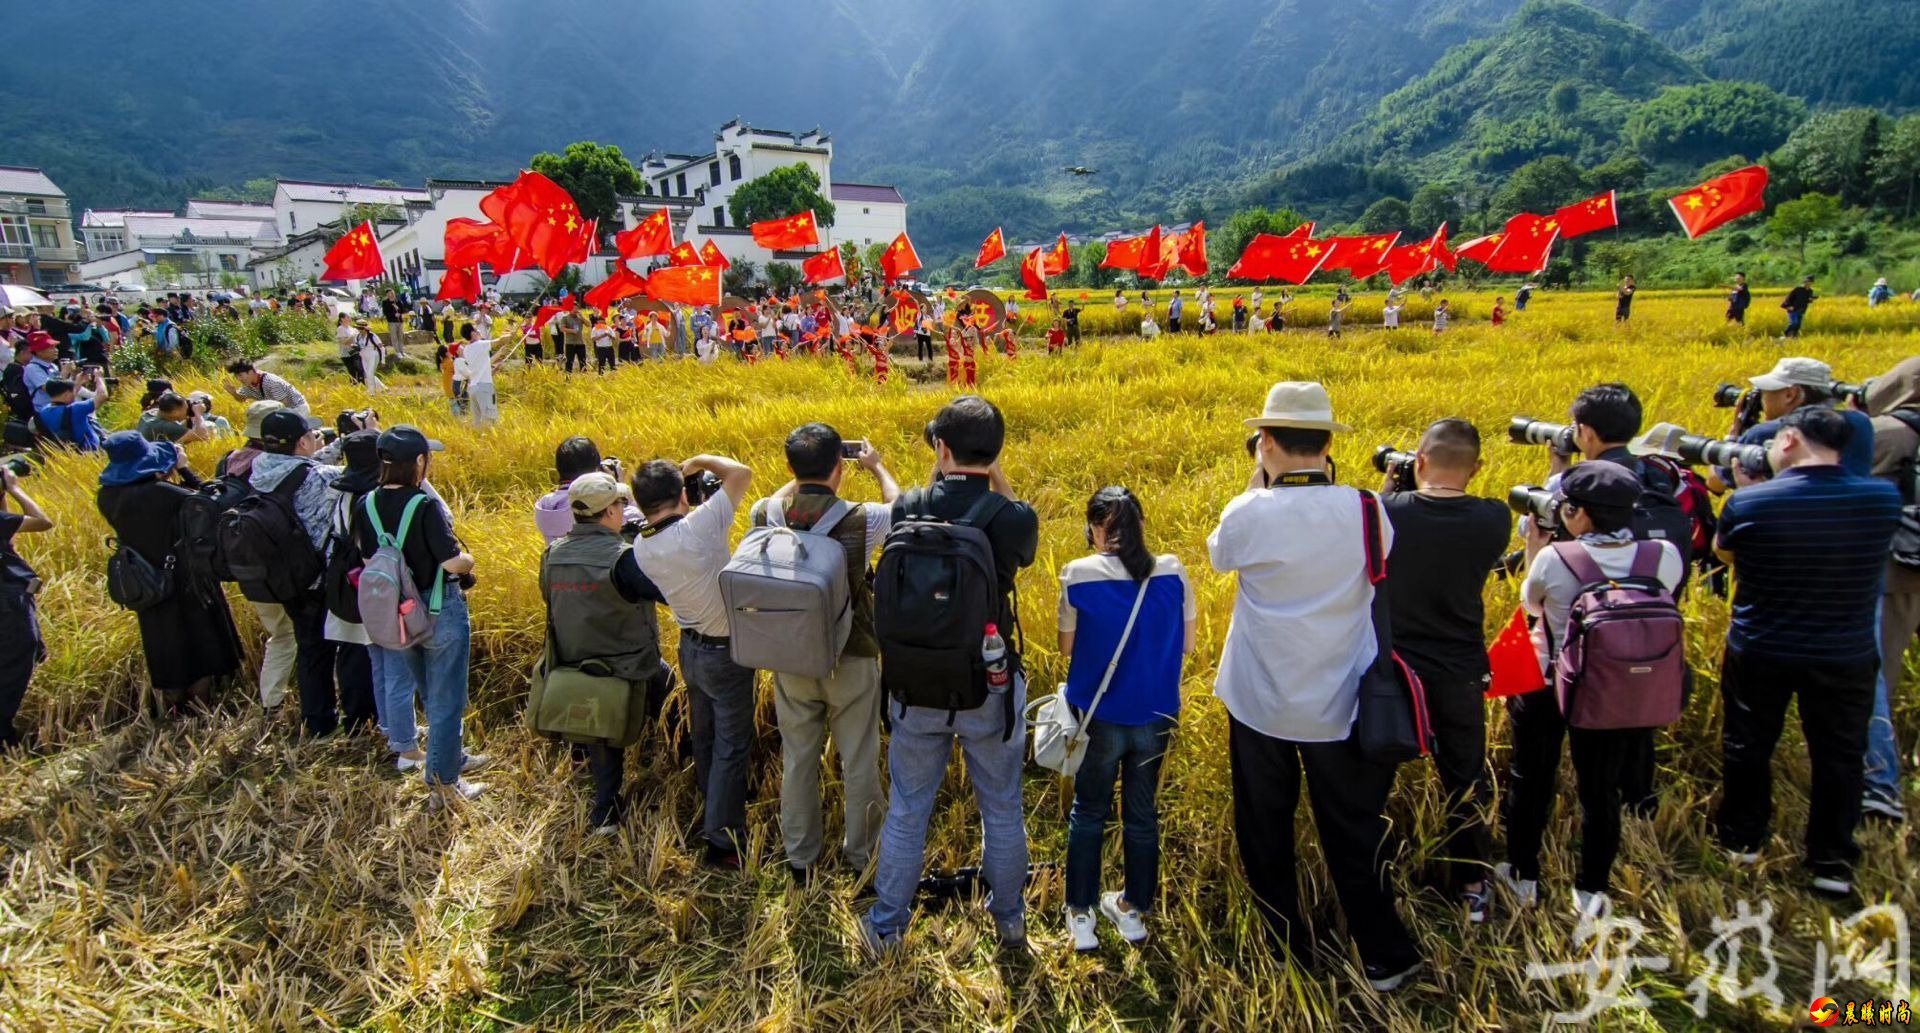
(20, 650)
(923, 347)
(352, 364)
(535, 353)
(1599, 758)
(602, 359)
(1348, 794)
(1457, 706)
(607, 764)
(575, 353)
(320, 664)
(1836, 702)
(1073, 332)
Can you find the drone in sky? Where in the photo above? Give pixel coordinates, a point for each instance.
(1080, 170)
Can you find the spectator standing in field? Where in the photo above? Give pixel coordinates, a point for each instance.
(1498, 317)
(575, 458)
(189, 642)
(572, 331)
(1893, 401)
(1071, 316)
(1623, 301)
(347, 337)
(21, 648)
(478, 359)
(1523, 295)
(254, 385)
(1301, 637)
(370, 356)
(1129, 733)
(1880, 294)
(395, 315)
(1739, 299)
(604, 340)
(1390, 313)
(1174, 310)
(1809, 552)
(1442, 314)
(71, 415)
(1337, 311)
(1797, 301)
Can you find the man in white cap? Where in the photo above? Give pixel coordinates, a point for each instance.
(1795, 383)
(1301, 637)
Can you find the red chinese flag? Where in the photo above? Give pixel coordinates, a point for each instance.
(1057, 259)
(624, 283)
(588, 242)
(1594, 213)
(653, 236)
(1515, 664)
(545, 313)
(355, 256)
(1361, 256)
(992, 250)
(1192, 253)
(794, 231)
(711, 257)
(1153, 257)
(1480, 249)
(1440, 252)
(470, 242)
(541, 219)
(1123, 253)
(685, 284)
(1527, 242)
(1409, 260)
(1033, 273)
(1293, 258)
(899, 259)
(1719, 201)
(684, 253)
(824, 267)
(459, 283)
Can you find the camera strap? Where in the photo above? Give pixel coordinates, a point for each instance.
(652, 528)
(1301, 478)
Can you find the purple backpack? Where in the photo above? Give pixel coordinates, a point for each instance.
(1622, 663)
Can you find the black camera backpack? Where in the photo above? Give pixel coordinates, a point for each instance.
(935, 591)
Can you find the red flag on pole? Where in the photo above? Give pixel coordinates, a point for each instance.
(355, 256)
(470, 242)
(1720, 200)
(710, 256)
(1361, 256)
(1123, 253)
(1033, 273)
(459, 283)
(899, 259)
(992, 250)
(824, 267)
(1526, 246)
(1409, 260)
(686, 284)
(1153, 257)
(1595, 213)
(1515, 664)
(1440, 252)
(1057, 259)
(794, 231)
(684, 253)
(1192, 253)
(1480, 249)
(624, 283)
(1293, 258)
(540, 217)
(653, 236)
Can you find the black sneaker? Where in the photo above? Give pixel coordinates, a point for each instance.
(721, 859)
(1386, 979)
(802, 875)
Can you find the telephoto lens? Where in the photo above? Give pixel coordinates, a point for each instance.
(1726, 396)
(1386, 457)
(1701, 451)
(1525, 430)
(1534, 501)
(701, 486)
(1855, 393)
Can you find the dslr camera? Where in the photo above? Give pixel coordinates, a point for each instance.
(1396, 465)
(1525, 430)
(1845, 392)
(611, 467)
(1537, 502)
(18, 466)
(1744, 402)
(351, 420)
(700, 487)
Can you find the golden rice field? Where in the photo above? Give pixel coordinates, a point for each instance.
(217, 874)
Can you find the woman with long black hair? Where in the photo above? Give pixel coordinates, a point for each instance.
(1128, 731)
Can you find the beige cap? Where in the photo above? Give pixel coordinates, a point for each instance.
(1794, 372)
(591, 494)
(257, 414)
(1302, 404)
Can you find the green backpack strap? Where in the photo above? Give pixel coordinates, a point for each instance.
(435, 599)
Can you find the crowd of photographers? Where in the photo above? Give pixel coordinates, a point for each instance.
(1356, 642)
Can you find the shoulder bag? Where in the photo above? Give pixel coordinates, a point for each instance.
(1059, 735)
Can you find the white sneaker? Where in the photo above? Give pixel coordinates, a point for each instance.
(1525, 891)
(1743, 858)
(1831, 886)
(1591, 905)
(1081, 925)
(473, 762)
(606, 831)
(1131, 924)
(404, 764)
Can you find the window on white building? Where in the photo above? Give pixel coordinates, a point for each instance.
(13, 230)
(680, 184)
(45, 236)
(229, 263)
(866, 211)
(293, 222)
(713, 174)
(719, 215)
(733, 166)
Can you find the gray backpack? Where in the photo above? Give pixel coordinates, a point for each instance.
(789, 607)
(390, 605)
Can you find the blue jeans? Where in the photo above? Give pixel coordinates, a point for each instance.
(917, 765)
(1130, 754)
(720, 706)
(436, 672)
(1793, 324)
(1883, 750)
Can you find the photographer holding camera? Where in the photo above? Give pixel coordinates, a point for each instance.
(575, 458)
(689, 509)
(1809, 553)
(1797, 383)
(71, 413)
(174, 419)
(1445, 542)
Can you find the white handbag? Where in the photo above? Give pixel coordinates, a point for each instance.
(1059, 737)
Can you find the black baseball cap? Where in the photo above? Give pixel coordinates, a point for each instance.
(1600, 484)
(405, 443)
(282, 430)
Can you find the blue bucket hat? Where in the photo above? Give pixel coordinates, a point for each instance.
(132, 458)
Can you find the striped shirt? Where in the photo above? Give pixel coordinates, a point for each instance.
(275, 389)
(1810, 551)
(1096, 597)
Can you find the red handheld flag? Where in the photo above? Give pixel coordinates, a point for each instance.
(1440, 252)
(1123, 253)
(899, 259)
(710, 256)
(1033, 273)
(1595, 213)
(470, 242)
(1513, 660)
(992, 250)
(1153, 257)
(1721, 200)
(1057, 259)
(1527, 243)
(653, 236)
(541, 219)
(355, 256)
(624, 283)
(1293, 258)
(459, 283)
(794, 231)
(1192, 254)
(824, 267)
(684, 253)
(685, 284)
(1480, 249)
(1409, 260)
(1361, 256)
